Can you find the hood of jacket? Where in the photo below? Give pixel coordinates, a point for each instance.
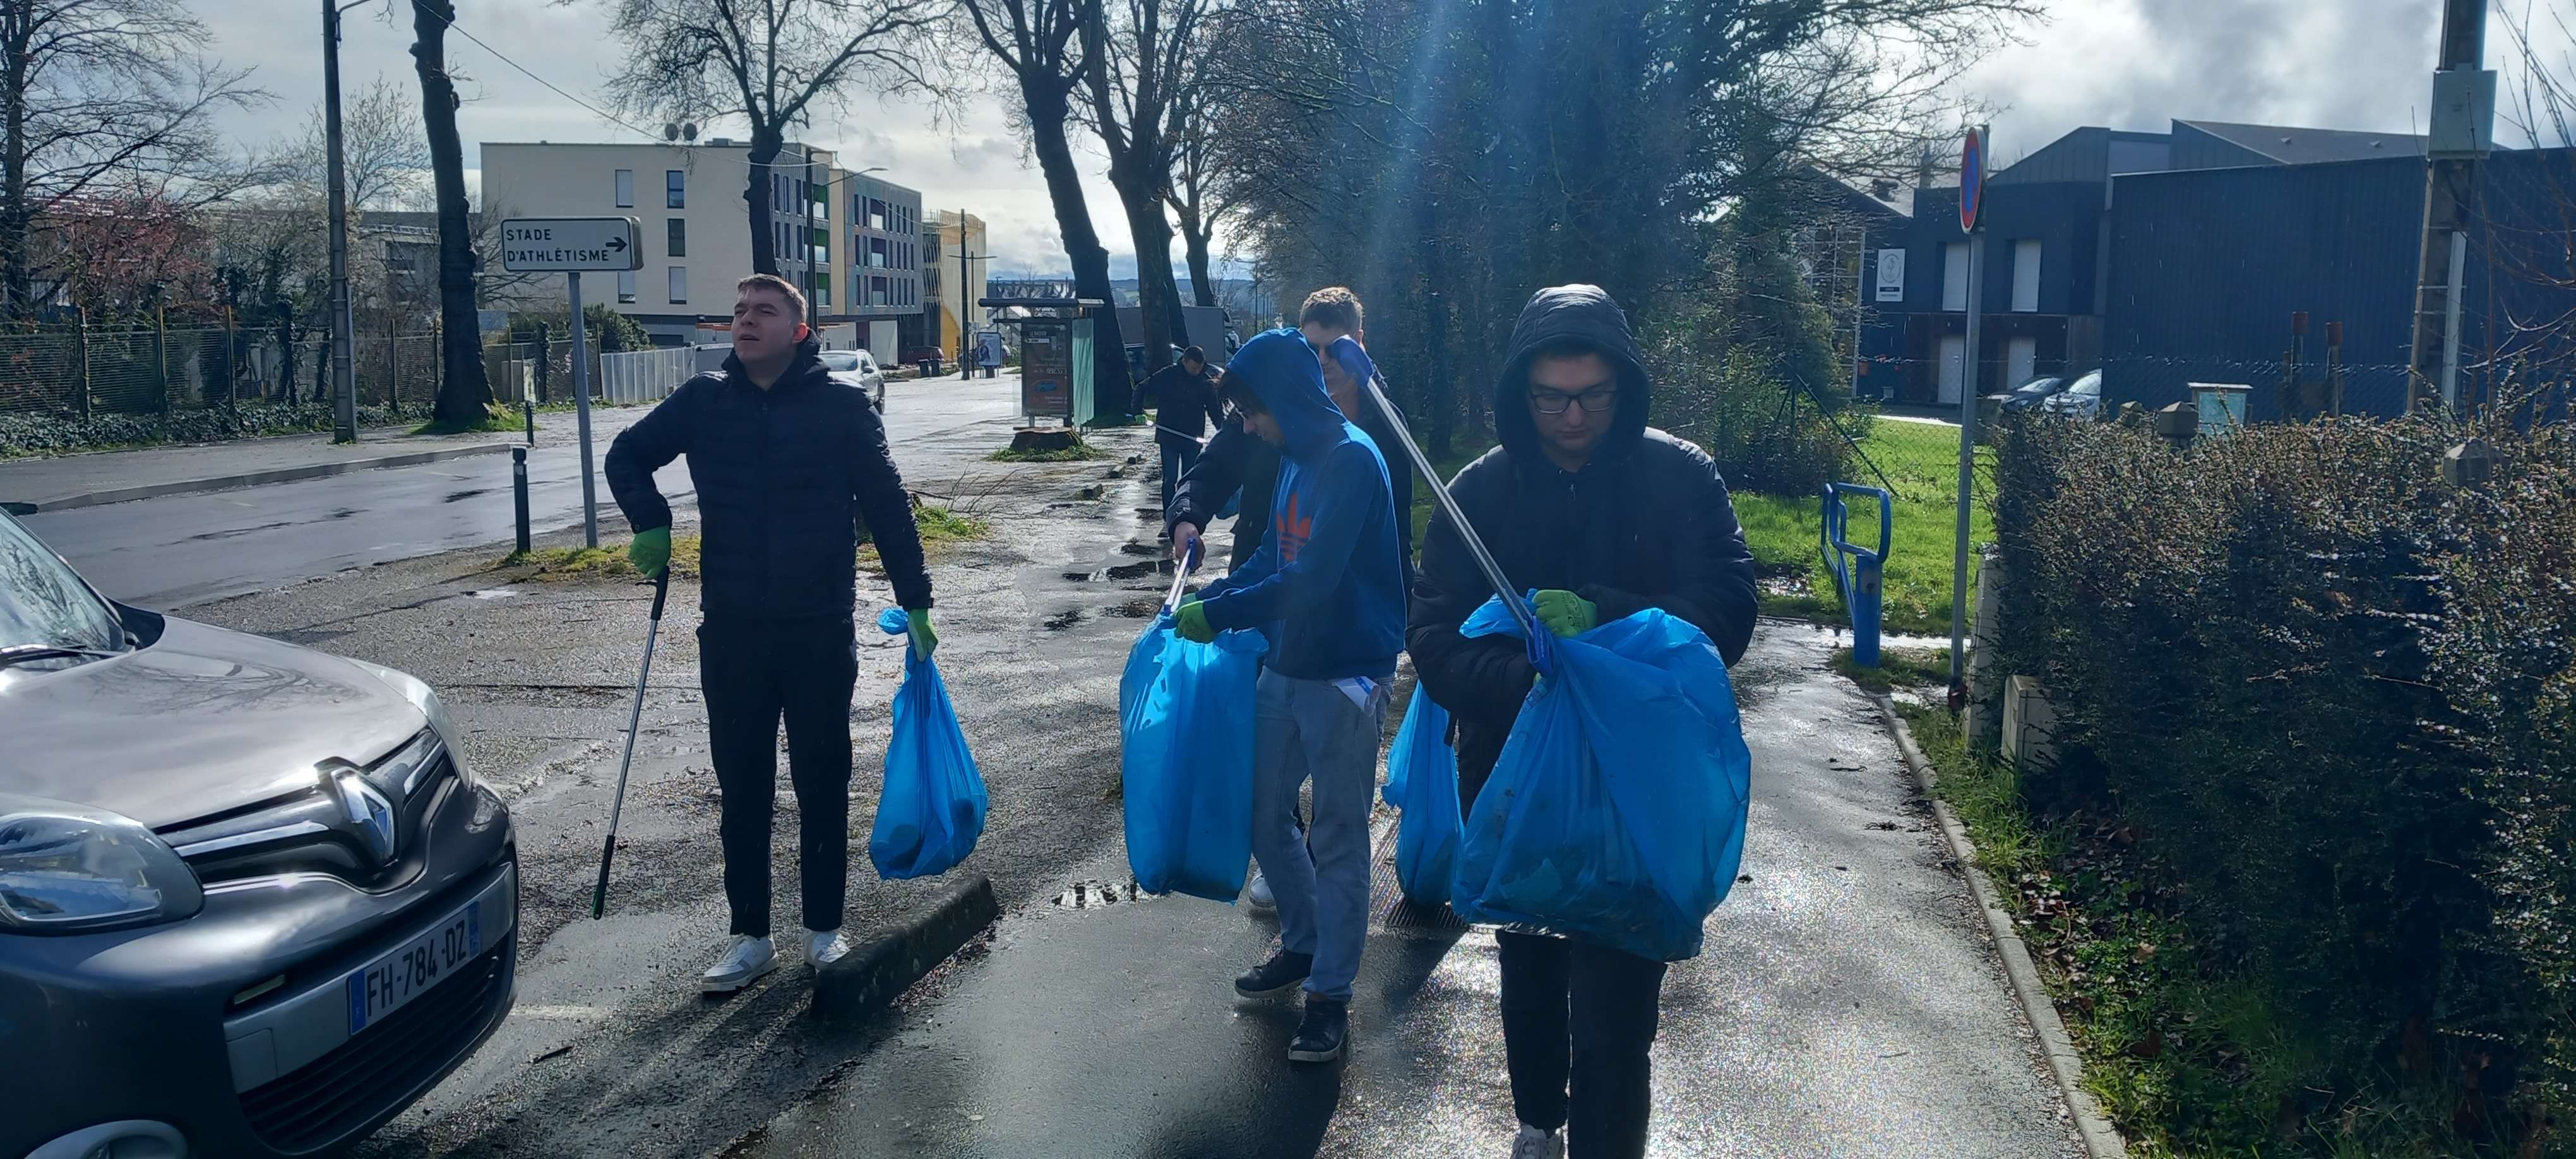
(1586, 315)
(806, 364)
(1280, 369)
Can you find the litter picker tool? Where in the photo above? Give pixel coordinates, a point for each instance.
(608, 851)
(1511, 596)
(1181, 575)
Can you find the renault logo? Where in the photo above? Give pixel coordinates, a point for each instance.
(370, 812)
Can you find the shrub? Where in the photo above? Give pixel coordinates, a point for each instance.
(63, 433)
(2333, 694)
(1766, 435)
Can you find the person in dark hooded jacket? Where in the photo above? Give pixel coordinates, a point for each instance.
(1606, 516)
(786, 463)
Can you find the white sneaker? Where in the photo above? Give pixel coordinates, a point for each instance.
(1259, 896)
(823, 949)
(744, 961)
(1533, 1143)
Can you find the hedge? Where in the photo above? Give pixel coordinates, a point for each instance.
(63, 433)
(2337, 696)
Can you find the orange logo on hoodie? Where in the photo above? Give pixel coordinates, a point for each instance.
(1293, 531)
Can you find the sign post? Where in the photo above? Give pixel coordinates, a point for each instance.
(569, 246)
(1972, 190)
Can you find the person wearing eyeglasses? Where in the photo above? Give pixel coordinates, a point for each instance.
(1607, 516)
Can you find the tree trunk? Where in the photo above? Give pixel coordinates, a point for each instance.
(766, 144)
(1194, 236)
(1157, 294)
(464, 396)
(17, 218)
(1113, 394)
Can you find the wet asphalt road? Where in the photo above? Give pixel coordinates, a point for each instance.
(191, 548)
(1847, 1005)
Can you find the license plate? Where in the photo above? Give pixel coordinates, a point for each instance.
(391, 981)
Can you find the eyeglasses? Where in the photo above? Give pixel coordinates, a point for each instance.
(1595, 400)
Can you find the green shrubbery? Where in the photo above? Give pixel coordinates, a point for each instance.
(2335, 698)
(59, 433)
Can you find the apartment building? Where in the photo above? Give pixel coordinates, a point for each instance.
(842, 235)
(947, 277)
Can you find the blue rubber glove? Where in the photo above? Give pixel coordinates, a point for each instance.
(925, 639)
(1191, 623)
(1566, 613)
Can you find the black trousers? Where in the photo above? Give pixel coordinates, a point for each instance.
(1578, 1020)
(1177, 458)
(754, 672)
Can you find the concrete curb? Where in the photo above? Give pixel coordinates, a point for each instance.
(871, 976)
(2101, 1139)
(251, 478)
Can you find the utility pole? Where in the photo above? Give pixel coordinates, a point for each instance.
(966, 300)
(344, 380)
(805, 243)
(2459, 135)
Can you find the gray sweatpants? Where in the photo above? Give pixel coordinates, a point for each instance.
(1312, 728)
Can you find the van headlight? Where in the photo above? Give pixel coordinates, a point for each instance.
(72, 869)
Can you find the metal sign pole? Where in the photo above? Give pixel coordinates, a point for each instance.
(581, 407)
(1972, 186)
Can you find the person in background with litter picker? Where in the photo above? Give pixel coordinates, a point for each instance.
(1183, 396)
(1237, 463)
(785, 462)
(1606, 516)
(1327, 589)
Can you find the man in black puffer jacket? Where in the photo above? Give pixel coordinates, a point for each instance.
(786, 462)
(1607, 517)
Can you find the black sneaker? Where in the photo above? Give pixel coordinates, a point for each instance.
(1281, 974)
(1325, 1035)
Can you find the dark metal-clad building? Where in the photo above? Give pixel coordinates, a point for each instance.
(2209, 266)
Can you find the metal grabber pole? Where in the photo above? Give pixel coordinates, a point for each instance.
(1512, 599)
(608, 851)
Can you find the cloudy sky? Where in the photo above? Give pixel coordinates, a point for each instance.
(2131, 64)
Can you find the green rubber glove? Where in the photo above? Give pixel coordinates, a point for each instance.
(1566, 613)
(651, 551)
(1192, 623)
(925, 639)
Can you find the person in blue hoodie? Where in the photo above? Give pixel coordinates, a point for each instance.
(1327, 590)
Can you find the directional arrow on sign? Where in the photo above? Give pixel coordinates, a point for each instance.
(617, 245)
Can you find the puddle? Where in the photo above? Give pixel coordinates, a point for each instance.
(1091, 894)
(1124, 571)
(454, 496)
(1063, 620)
(1148, 550)
(237, 531)
(493, 593)
(1137, 609)
(344, 513)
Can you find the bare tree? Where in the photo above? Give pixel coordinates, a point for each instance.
(464, 395)
(99, 92)
(384, 157)
(1040, 43)
(770, 62)
(1138, 57)
(1197, 189)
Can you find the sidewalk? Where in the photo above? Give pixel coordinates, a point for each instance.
(1848, 1004)
(65, 482)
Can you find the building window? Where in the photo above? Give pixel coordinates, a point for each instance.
(625, 285)
(625, 189)
(823, 291)
(879, 254)
(675, 189)
(876, 215)
(1954, 277)
(877, 292)
(822, 201)
(679, 285)
(678, 228)
(2025, 299)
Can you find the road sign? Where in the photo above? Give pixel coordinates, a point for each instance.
(555, 245)
(1972, 181)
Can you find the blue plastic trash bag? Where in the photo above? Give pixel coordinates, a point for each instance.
(1422, 782)
(1185, 716)
(1616, 811)
(932, 809)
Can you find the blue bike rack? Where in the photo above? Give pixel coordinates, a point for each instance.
(1857, 570)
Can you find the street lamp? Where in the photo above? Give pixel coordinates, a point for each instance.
(344, 383)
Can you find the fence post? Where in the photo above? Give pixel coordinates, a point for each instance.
(161, 356)
(437, 360)
(393, 359)
(80, 335)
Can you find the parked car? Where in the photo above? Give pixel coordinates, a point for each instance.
(2028, 394)
(929, 358)
(2081, 399)
(252, 902)
(858, 369)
